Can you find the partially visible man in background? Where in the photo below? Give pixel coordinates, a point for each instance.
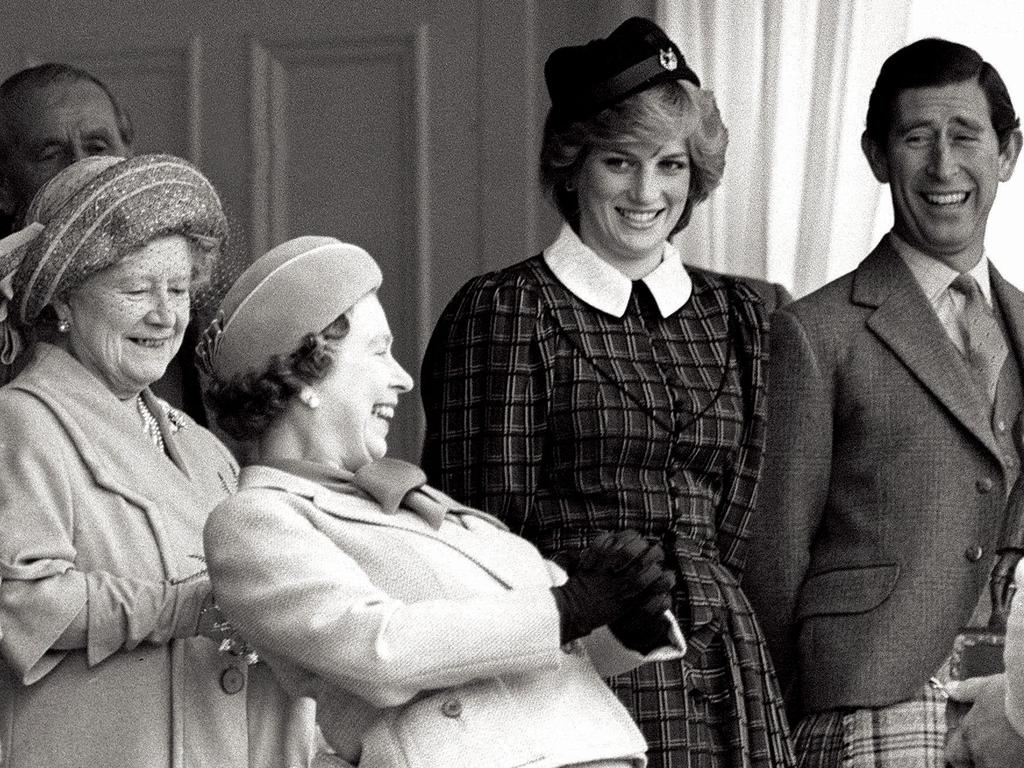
(51, 116)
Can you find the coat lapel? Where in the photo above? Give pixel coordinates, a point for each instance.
(356, 507)
(1011, 304)
(907, 324)
(121, 458)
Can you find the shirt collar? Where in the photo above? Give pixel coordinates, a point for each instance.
(933, 276)
(594, 281)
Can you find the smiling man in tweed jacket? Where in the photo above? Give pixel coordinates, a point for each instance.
(891, 445)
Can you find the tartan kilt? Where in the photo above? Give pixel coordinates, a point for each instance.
(910, 734)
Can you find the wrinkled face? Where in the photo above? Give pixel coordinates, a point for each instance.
(359, 394)
(943, 165)
(54, 127)
(630, 198)
(127, 322)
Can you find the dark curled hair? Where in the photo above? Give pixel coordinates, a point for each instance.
(933, 62)
(246, 405)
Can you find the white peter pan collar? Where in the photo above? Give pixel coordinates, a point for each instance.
(596, 282)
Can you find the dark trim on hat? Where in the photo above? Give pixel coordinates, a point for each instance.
(656, 66)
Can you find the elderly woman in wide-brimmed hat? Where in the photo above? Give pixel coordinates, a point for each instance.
(109, 654)
(429, 634)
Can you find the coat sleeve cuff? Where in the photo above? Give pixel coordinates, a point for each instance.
(32, 623)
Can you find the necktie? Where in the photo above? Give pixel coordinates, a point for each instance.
(646, 302)
(393, 483)
(983, 343)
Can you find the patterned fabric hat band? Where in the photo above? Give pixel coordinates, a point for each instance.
(297, 288)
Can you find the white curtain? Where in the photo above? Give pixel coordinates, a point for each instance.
(791, 77)
(798, 204)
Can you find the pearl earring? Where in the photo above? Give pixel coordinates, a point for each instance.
(63, 325)
(310, 399)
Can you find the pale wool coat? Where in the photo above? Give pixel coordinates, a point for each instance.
(423, 647)
(101, 555)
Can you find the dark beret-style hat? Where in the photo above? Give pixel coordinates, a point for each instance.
(584, 79)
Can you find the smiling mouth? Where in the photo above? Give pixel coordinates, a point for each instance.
(385, 412)
(640, 218)
(149, 343)
(945, 198)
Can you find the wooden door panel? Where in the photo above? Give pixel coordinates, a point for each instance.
(336, 135)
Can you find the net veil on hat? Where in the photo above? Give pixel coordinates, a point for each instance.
(89, 217)
(297, 288)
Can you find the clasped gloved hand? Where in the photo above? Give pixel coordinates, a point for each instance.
(614, 575)
(646, 627)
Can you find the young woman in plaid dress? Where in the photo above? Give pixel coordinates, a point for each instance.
(602, 385)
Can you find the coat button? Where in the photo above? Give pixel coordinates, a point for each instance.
(974, 552)
(984, 485)
(451, 708)
(232, 680)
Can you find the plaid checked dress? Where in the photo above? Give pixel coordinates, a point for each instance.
(564, 421)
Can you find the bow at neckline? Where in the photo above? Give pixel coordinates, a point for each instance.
(394, 484)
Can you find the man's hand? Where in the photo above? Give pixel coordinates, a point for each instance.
(1001, 584)
(985, 739)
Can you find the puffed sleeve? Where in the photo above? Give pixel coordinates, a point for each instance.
(47, 604)
(797, 473)
(297, 596)
(748, 335)
(485, 395)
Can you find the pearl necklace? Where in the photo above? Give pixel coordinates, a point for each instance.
(150, 425)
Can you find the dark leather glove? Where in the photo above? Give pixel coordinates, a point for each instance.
(612, 575)
(645, 627)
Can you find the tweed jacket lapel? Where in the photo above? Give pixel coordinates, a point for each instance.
(357, 507)
(1011, 304)
(907, 324)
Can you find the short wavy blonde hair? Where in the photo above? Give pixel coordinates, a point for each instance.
(669, 111)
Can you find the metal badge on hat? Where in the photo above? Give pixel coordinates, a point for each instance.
(667, 58)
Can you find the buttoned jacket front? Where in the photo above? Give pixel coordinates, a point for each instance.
(423, 647)
(98, 523)
(883, 486)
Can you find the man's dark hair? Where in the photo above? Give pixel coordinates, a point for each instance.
(935, 62)
(42, 76)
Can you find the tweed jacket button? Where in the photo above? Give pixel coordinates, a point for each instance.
(984, 485)
(451, 708)
(974, 552)
(232, 680)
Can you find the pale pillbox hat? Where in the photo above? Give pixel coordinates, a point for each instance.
(297, 288)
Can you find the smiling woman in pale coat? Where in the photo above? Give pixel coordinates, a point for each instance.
(428, 634)
(109, 653)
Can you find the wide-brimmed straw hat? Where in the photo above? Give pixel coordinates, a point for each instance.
(89, 217)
